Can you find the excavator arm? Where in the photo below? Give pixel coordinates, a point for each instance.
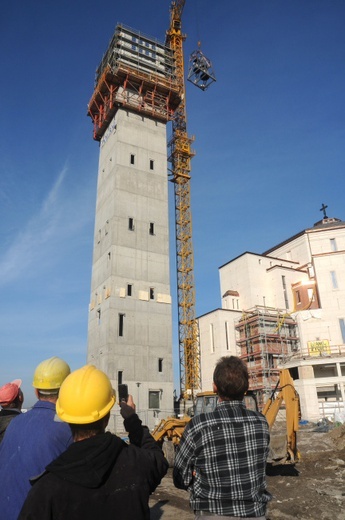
(288, 395)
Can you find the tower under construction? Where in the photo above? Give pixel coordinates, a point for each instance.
(130, 317)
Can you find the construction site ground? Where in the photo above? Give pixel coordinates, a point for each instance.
(313, 489)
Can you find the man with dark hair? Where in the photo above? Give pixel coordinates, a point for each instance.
(222, 455)
(99, 475)
(11, 401)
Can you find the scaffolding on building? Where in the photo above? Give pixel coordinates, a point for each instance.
(266, 337)
(137, 72)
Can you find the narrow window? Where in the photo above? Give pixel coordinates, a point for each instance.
(152, 228)
(119, 377)
(152, 293)
(129, 289)
(212, 337)
(131, 224)
(334, 280)
(154, 399)
(333, 244)
(121, 324)
(151, 164)
(285, 292)
(311, 296)
(132, 159)
(226, 336)
(160, 365)
(342, 328)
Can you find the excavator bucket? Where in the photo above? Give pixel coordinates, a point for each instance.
(278, 453)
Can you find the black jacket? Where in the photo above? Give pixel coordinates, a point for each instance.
(6, 417)
(102, 477)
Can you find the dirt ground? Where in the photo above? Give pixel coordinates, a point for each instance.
(314, 489)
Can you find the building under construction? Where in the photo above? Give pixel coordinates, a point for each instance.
(130, 318)
(140, 87)
(265, 338)
(137, 72)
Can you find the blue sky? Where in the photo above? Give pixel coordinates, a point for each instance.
(269, 142)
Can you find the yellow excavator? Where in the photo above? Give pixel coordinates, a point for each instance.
(283, 447)
(284, 398)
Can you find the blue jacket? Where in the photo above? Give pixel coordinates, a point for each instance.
(32, 440)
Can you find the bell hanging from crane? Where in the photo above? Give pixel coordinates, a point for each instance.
(200, 71)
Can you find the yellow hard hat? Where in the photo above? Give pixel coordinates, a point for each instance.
(85, 396)
(50, 374)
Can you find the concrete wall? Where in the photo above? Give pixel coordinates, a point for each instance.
(259, 279)
(217, 339)
(130, 272)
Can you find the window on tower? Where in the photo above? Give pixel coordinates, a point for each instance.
(132, 158)
(154, 399)
(121, 324)
(152, 228)
(152, 163)
(131, 224)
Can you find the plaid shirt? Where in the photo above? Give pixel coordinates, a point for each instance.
(221, 460)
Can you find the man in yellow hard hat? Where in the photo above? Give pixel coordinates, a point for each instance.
(33, 439)
(99, 475)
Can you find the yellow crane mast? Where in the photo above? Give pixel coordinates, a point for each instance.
(180, 158)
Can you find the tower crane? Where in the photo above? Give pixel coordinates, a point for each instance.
(181, 153)
(180, 158)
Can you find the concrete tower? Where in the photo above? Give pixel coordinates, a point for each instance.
(130, 318)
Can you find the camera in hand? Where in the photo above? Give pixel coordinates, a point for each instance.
(123, 393)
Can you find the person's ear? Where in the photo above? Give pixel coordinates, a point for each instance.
(215, 389)
(106, 420)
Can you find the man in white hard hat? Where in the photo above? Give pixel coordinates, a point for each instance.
(11, 400)
(33, 439)
(99, 475)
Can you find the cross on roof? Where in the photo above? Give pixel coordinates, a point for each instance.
(323, 208)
